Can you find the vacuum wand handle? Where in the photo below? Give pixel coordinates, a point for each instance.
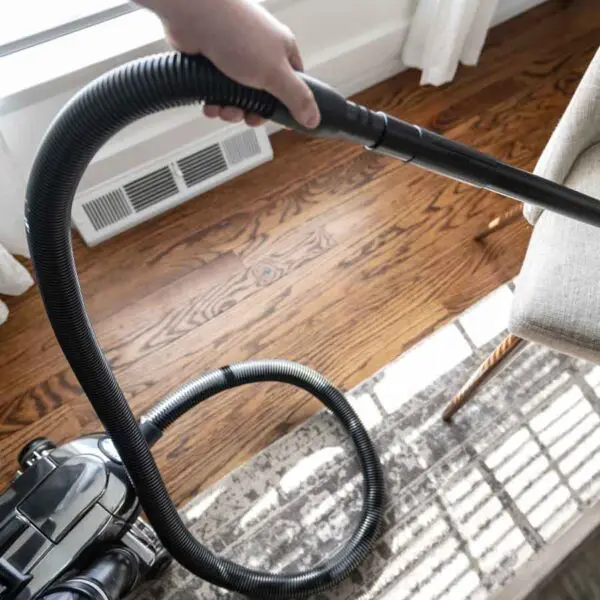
(377, 131)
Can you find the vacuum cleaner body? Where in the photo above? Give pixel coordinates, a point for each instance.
(70, 526)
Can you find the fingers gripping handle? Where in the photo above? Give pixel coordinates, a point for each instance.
(340, 118)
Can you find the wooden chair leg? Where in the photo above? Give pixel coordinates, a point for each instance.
(491, 366)
(510, 216)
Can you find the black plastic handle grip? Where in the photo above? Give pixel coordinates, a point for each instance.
(340, 118)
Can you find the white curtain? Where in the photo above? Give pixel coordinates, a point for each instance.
(445, 33)
(14, 277)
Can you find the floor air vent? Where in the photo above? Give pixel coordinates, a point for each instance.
(130, 198)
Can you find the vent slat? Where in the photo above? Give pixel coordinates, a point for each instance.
(147, 203)
(107, 209)
(217, 165)
(151, 189)
(101, 218)
(111, 212)
(202, 171)
(93, 216)
(208, 163)
(205, 154)
(202, 165)
(146, 182)
(149, 200)
(157, 189)
(241, 147)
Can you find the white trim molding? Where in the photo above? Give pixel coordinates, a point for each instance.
(507, 9)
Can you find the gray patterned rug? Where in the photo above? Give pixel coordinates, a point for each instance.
(469, 503)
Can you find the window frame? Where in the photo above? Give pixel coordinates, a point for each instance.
(67, 28)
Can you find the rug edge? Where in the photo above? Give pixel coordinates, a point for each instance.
(545, 564)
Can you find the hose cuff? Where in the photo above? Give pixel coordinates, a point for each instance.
(150, 432)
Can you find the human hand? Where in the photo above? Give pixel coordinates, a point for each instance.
(246, 43)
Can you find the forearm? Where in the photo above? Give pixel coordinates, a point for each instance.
(177, 10)
(202, 26)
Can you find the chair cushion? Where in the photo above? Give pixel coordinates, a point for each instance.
(557, 298)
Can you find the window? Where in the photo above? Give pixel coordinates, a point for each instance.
(30, 22)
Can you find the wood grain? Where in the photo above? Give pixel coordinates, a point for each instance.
(329, 255)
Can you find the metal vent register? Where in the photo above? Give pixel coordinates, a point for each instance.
(127, 199)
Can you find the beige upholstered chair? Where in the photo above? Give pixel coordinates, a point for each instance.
(557, 296)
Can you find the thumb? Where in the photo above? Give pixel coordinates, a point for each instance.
(296, 95)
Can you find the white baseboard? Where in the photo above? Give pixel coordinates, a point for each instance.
(507, 9)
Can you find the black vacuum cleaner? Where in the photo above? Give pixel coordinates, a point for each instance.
(70, 522)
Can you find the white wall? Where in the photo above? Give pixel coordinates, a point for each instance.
(351, 45)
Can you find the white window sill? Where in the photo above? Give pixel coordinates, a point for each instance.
(62, 64)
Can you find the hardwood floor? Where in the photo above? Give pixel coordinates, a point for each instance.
(330, 255)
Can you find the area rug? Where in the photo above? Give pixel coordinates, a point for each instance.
(468, 503)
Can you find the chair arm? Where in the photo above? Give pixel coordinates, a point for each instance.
(576, 131)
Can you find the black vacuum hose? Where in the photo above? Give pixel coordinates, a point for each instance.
(95, 114)
(171, 408)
